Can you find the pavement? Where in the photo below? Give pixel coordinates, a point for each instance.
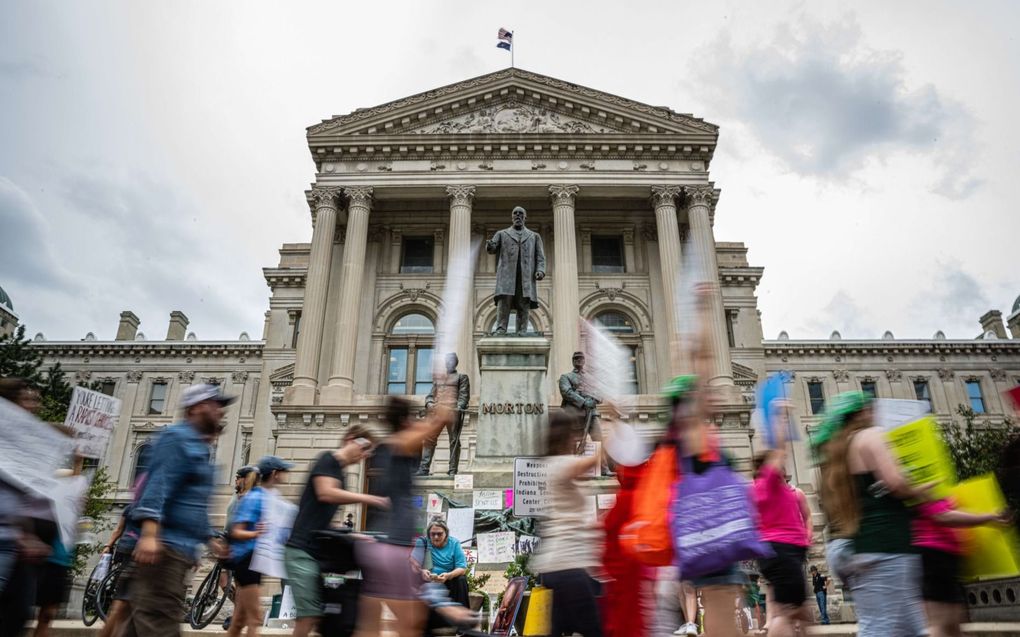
(74, 628)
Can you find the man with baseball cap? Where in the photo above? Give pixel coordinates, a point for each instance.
(173, 512)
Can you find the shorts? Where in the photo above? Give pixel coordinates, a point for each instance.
(941, 582)
(122, 591)
(386, 569)
(785, 573)
(53, 585)
(731, 576)
(305, 581)
(243, 574)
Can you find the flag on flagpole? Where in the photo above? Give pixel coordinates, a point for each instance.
(506, 39)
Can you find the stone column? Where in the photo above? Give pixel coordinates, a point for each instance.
(699, 198)
(341, 378)
(668, 231)
(119, 444)
(564, 299)
(459, 255)
(313, 310)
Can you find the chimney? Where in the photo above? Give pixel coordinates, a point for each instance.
(992, 322)
(128, 326)
(178, 326)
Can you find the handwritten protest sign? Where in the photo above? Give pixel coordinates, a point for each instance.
(496, 548)
(92, 416)
(32, 451)
(606, 500)
(531, 487)
(461, 522)
(488, 499)
(463, 482)
(278, 516)
(990, 550)
(922, 452)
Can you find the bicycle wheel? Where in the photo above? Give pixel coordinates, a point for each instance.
(208, 600)
(106, 590)
(89, 610)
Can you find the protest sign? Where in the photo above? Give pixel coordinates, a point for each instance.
(606, 500)
(287, 608)
(32, 451)
(508, 498)
(922, 452)
(990, 550)
(471, 556)
(772, 411)
(496, 548)
(278, 516)
(462, 523)
(488, 500)
(68, 502)
(891, 413)
(463, 482)
(435, 504)
(92, 416)
(527, 544)
(531, 487)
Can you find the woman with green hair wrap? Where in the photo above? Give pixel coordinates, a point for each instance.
(862, 492)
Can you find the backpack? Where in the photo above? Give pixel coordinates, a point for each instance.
(647, 536)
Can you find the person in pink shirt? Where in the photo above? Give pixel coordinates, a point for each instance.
(935, 534)
(782, 524)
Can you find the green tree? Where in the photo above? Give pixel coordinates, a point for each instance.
(97, 505)
(976, 448)
(18, 358)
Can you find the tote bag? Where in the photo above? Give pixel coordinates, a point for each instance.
(646, 536)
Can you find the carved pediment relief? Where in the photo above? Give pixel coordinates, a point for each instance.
(513, 118)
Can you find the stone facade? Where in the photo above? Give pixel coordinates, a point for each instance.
(621, 194)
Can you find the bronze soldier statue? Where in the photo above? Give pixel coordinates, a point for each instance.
(575, 396)
(462, 384)
(521, 263)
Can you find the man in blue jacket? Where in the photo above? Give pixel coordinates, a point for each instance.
(173, 513)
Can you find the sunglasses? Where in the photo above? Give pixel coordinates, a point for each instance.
(437, 534)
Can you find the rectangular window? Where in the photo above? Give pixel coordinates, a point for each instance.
(731, 315)
(157, 399)
(632, 376)
(607, 253)
(422, 371)
(417, 255)
(297, 331)
(922, 391)
(396, 377)
(816, 395)
(108, 387)
(977, 400)
(869, 387)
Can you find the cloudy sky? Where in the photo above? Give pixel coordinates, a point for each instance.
(152, 155)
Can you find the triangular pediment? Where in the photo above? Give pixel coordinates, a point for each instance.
(513, 102)
(743, 374)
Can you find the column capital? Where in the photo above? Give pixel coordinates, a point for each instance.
(462, 195)
(700, 195)
(562, 193)
(359, 195)
(665, 195)
(324, 196)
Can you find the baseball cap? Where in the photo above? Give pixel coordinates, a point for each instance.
(269, 464)
(245, 470)
(202, 392)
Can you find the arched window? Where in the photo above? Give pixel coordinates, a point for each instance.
(143, 456)
(622, 327)
(409, 355)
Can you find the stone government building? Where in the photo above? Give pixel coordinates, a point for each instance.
(616, 188)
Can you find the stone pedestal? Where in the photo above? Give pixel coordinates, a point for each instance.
(512, 408)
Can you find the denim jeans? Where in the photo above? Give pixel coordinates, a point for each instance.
(823, 602)
(887, 594)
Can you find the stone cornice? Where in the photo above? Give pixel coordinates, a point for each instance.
(506, 85)
(749, 276)
(150, 349)
(884, 347)
(285, 277)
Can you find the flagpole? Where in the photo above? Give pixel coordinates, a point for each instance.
(512, 47)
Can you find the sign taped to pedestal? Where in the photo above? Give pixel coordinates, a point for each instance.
(531, 487)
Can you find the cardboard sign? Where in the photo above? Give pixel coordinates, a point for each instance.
(891, 413)
(488, 500)
(92, 416)
(434, 504)
(531, 487)
(462, 523)
(278, 516)
(990, 549)
(32, 451)
(496, 548)
(922, 452)
(463, 482)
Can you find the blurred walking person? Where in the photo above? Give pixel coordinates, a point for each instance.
(173, 512)
(568, 551)
(122, 545)
(863, 491)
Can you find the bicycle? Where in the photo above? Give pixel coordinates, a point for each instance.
(107, 589)
(210, 596)
(89, 608)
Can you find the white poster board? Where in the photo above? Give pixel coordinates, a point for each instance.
(463, 482)
(891, 413)
(462, 523)
(287, 608)
(496, 548)
(606, 500)
(488, 500)
(278, 516)
(68, 502)
(531, 487)
(32, 451)
(92, 416)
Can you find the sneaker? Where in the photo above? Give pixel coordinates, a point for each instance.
(682, 630)
(692, 630)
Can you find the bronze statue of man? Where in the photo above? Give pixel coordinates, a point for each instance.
(576, 395)
(520, 264)
(462, 385)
